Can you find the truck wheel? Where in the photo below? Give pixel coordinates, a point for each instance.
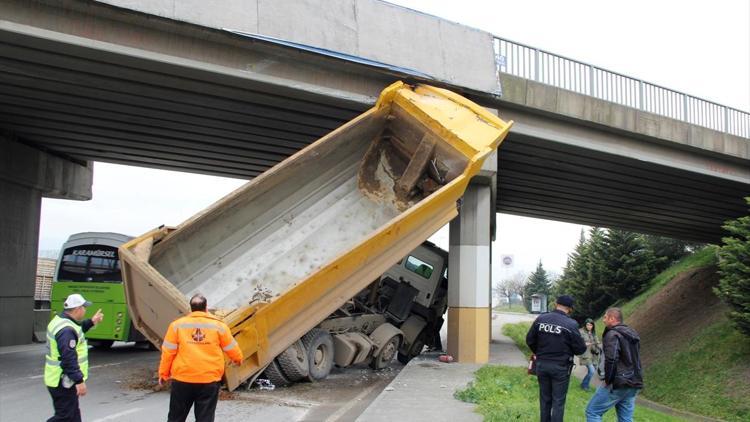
(293, 362)
(386, 353)
(319, 346)
(273, 373)
(414, 350)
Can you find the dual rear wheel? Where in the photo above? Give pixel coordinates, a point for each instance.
(309, 358)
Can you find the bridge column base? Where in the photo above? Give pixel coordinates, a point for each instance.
(470, 329)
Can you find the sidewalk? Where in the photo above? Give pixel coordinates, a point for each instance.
(423, 391)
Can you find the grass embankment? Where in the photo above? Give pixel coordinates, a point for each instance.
(708, 373)
(503, 393)
(705, 257)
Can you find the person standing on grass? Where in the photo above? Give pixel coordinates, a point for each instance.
(623, 376)
(554, 339)
(589, 358)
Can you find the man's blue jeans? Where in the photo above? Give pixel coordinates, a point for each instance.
(622, 399)
(587, 379)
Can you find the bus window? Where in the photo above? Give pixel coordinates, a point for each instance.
(419, 267)
(90, 263)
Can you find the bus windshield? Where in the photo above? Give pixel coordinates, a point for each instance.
(84, 263)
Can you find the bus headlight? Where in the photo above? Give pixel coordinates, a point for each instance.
(119, 321)
(119, 315)
(117, 328)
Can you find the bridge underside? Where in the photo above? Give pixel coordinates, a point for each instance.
(545, 179)
(248, 104)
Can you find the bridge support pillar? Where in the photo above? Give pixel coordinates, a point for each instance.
(469, 277)
(26, 175)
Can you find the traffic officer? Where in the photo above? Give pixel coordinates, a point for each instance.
(67, 364)
(193, 357)
(554, 339)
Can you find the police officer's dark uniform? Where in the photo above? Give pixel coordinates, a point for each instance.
(554, 339)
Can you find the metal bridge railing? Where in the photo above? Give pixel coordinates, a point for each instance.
(552, 69)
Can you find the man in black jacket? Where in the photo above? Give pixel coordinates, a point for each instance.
(554, 339)
(623, 376)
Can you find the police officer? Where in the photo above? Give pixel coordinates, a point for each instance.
(554, 339)
(67, 365)
(192, 355)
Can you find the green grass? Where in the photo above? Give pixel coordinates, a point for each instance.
(517, 332)
(515, 307)
(709, 377)
(504, 393)
(702, 258)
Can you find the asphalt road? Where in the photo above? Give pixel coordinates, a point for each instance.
(122, 388)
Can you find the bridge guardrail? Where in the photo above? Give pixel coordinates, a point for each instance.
(552, 69)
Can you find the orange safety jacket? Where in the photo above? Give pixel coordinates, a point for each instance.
(193, 349)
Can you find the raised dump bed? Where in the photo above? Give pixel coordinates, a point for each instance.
(278, 255)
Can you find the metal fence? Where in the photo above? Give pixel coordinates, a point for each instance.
(552, 69)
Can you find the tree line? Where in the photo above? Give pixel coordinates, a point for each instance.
(606, 266)
(609, 266)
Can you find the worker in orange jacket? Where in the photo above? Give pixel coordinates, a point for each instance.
(192, 355)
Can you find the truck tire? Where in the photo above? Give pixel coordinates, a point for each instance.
(386, 353)
(414, 350)
(319, 346)
(293, 362)
(273, 373)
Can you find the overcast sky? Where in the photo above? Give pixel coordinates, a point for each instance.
(698, 47)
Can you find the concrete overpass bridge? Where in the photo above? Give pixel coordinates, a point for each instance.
(165, 84)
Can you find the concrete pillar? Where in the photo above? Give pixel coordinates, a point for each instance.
(469, 278)
(19, 236)
(26, 175)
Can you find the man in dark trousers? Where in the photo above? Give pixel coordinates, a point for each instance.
(623, 377)
(192, 355)
(67, 366)
(554, 339)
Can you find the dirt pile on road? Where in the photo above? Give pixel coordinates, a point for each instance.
(668, 320)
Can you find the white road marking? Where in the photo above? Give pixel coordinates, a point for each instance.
(106, 364)
(355, 401)
(90, 367)
(117, 415)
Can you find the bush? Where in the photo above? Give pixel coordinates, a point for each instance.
(734, 267)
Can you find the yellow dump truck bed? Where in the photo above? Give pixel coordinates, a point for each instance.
(278, 255)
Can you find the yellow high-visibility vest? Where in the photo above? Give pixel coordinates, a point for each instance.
(52, 369)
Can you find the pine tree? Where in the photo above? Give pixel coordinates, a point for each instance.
(734, 267)
(539, 283)
(589, 290)
(630, 263)
(668, 250)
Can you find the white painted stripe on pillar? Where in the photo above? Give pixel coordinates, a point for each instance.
(469, 276)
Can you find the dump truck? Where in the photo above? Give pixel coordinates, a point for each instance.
(280, 254)
(399, 314)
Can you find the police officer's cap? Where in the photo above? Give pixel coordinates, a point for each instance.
(75, 300)
(565, 300)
